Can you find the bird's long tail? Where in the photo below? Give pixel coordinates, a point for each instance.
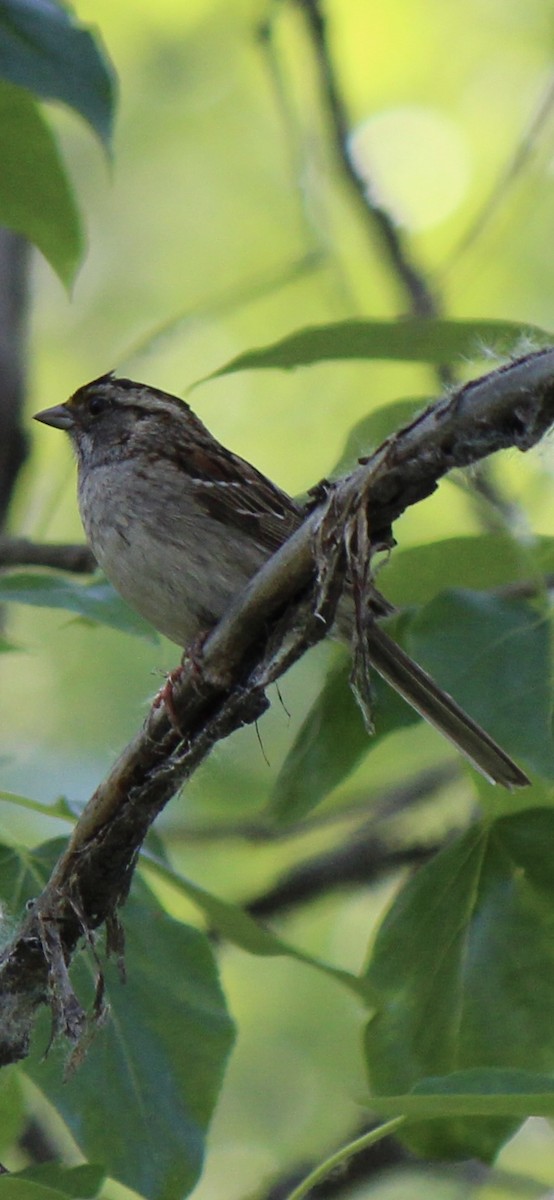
(431, 702)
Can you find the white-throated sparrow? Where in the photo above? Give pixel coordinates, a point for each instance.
(180, 525)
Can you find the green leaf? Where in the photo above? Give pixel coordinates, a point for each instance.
(495, 657)
(331, 742)
(414, 340)
(488, 1092)
(13, 1187)
(77, 1182)
(168, 1036)
(13, 1109)
(23, 873)
(416, 574)
(239, 928)
(368, 433)
(44, 49)
(95, 601)
(157, 1063)
(464, 966)
(35, 196)
(61, 808)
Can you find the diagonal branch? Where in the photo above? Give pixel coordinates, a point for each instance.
(363, 860)
(423, 301)
(270, 625)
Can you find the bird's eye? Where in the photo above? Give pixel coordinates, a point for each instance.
(97, 404)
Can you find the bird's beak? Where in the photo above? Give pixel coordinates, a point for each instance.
(59, 416)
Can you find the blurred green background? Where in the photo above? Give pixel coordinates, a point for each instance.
(222, 224)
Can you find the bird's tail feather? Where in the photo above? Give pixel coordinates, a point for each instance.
(431, 702)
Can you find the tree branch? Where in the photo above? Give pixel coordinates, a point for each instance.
(14, 253)
(363, 859)
(423, 302)
(20, 552)
(270, 625)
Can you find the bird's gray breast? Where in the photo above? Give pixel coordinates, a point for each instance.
(162, 551)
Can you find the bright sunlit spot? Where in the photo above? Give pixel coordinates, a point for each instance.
(415, 163)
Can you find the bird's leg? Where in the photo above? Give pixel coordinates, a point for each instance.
(192, 656)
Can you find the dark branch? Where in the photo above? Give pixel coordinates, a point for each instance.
(423, 302)
(361, 860)
(13, 310)
(263, 632)
(20, 552)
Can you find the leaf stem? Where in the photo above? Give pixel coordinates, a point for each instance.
(340, 1156)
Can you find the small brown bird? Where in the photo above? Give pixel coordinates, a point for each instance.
(180, 525)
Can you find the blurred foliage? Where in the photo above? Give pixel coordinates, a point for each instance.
(50, 220)
(227, 223)
(43, 49)
(44, 53)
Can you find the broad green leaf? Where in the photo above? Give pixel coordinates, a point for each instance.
(414, 340)
(139, 1009)
(416, 574)
(495, 656)
(95, 601)
(331, 742)
(35, 196)
(80, 1183)
(464, 965)
(239, 928)
(162, 1050)
(168, 1036)
(44, 49)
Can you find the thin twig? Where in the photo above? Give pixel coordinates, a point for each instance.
(423, 302)
(508, 176)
